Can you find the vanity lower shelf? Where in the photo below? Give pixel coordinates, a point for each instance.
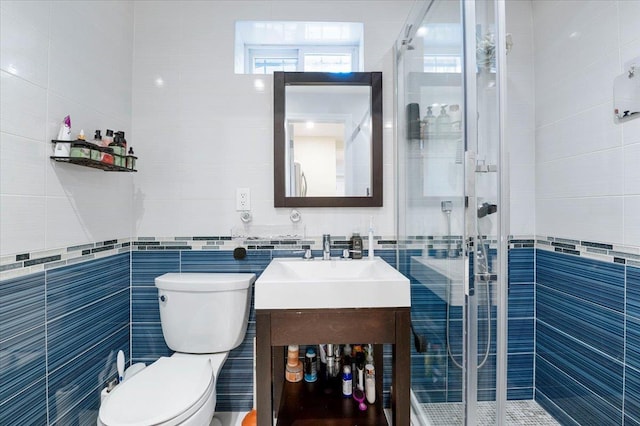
(299, 404)
(322, 402)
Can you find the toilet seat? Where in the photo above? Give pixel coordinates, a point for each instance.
(166, 393)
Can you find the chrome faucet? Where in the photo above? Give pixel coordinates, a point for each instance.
(326, 247)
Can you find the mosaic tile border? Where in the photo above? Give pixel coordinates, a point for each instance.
(21, 264)
(612, 253)
(27, 263)
(251, 243)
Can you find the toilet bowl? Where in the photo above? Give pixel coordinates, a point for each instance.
(181, 389)
(176, 390)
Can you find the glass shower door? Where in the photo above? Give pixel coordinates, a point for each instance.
(448, 197)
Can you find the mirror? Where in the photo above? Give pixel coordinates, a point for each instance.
(327, 139)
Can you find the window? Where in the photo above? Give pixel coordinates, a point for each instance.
(268, 46)
(266, 61)
(442, 63)
(328, 62)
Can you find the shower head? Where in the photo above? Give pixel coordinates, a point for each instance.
(486, 209)
(407, 43)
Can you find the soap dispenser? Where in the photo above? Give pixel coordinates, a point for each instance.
(443, 122)
(429, 121)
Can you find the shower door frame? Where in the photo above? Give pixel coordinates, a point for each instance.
(470, 348)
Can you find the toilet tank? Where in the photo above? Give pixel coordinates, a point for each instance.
(204, 312)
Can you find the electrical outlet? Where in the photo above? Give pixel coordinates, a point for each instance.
(243, 199)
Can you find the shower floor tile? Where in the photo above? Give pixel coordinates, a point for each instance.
(522, 413)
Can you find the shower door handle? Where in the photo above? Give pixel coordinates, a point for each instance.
(486, 277)
(470, 214)
(470, 193)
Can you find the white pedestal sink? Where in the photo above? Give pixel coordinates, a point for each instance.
(295, 283)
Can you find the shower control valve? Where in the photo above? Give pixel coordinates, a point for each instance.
(486, 168)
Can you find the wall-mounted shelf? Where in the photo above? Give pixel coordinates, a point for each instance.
(93, 156)
(87, 162)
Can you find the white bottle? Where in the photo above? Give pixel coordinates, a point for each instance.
(429, 121)
(443, 121)
(370, 383)
(347, 382)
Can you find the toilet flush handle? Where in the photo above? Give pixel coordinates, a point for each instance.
(163, 298)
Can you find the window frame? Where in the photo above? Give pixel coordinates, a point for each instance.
(251, 51)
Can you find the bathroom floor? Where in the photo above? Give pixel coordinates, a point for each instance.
(524, 413)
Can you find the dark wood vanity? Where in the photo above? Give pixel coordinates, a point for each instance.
(307, 403)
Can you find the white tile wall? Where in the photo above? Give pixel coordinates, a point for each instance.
(207, 131)
(631, 222)
(204, 130)
(520, 125)
(59, 58)
(586, 183)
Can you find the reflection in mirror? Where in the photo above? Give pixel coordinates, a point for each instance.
(328, 153)
(327, 139)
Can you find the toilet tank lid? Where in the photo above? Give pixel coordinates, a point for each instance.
(205, 282)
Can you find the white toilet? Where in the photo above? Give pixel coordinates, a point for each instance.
(203, 317)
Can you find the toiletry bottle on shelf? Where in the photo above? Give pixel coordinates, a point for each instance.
(443, 122)
(347, 382)
(356, 246)
(332, 367)
(123, 141)
(369, 351)
(346, 356)
(64, 134)
(293, 371)
(360, 367)
(118, 151)
(97, 138)
(370, 383)
(108, 137)
(310, 365)
(413, 121)
(429, 121)
(131, 159)
(322, 366)
(353, 363)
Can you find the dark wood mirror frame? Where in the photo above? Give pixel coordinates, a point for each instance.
(283, 79)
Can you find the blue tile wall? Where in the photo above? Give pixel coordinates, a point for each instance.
(574, 334)
(587, 339)
(632, 360)
(80, 314)
(435, 378)
(147, 342)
